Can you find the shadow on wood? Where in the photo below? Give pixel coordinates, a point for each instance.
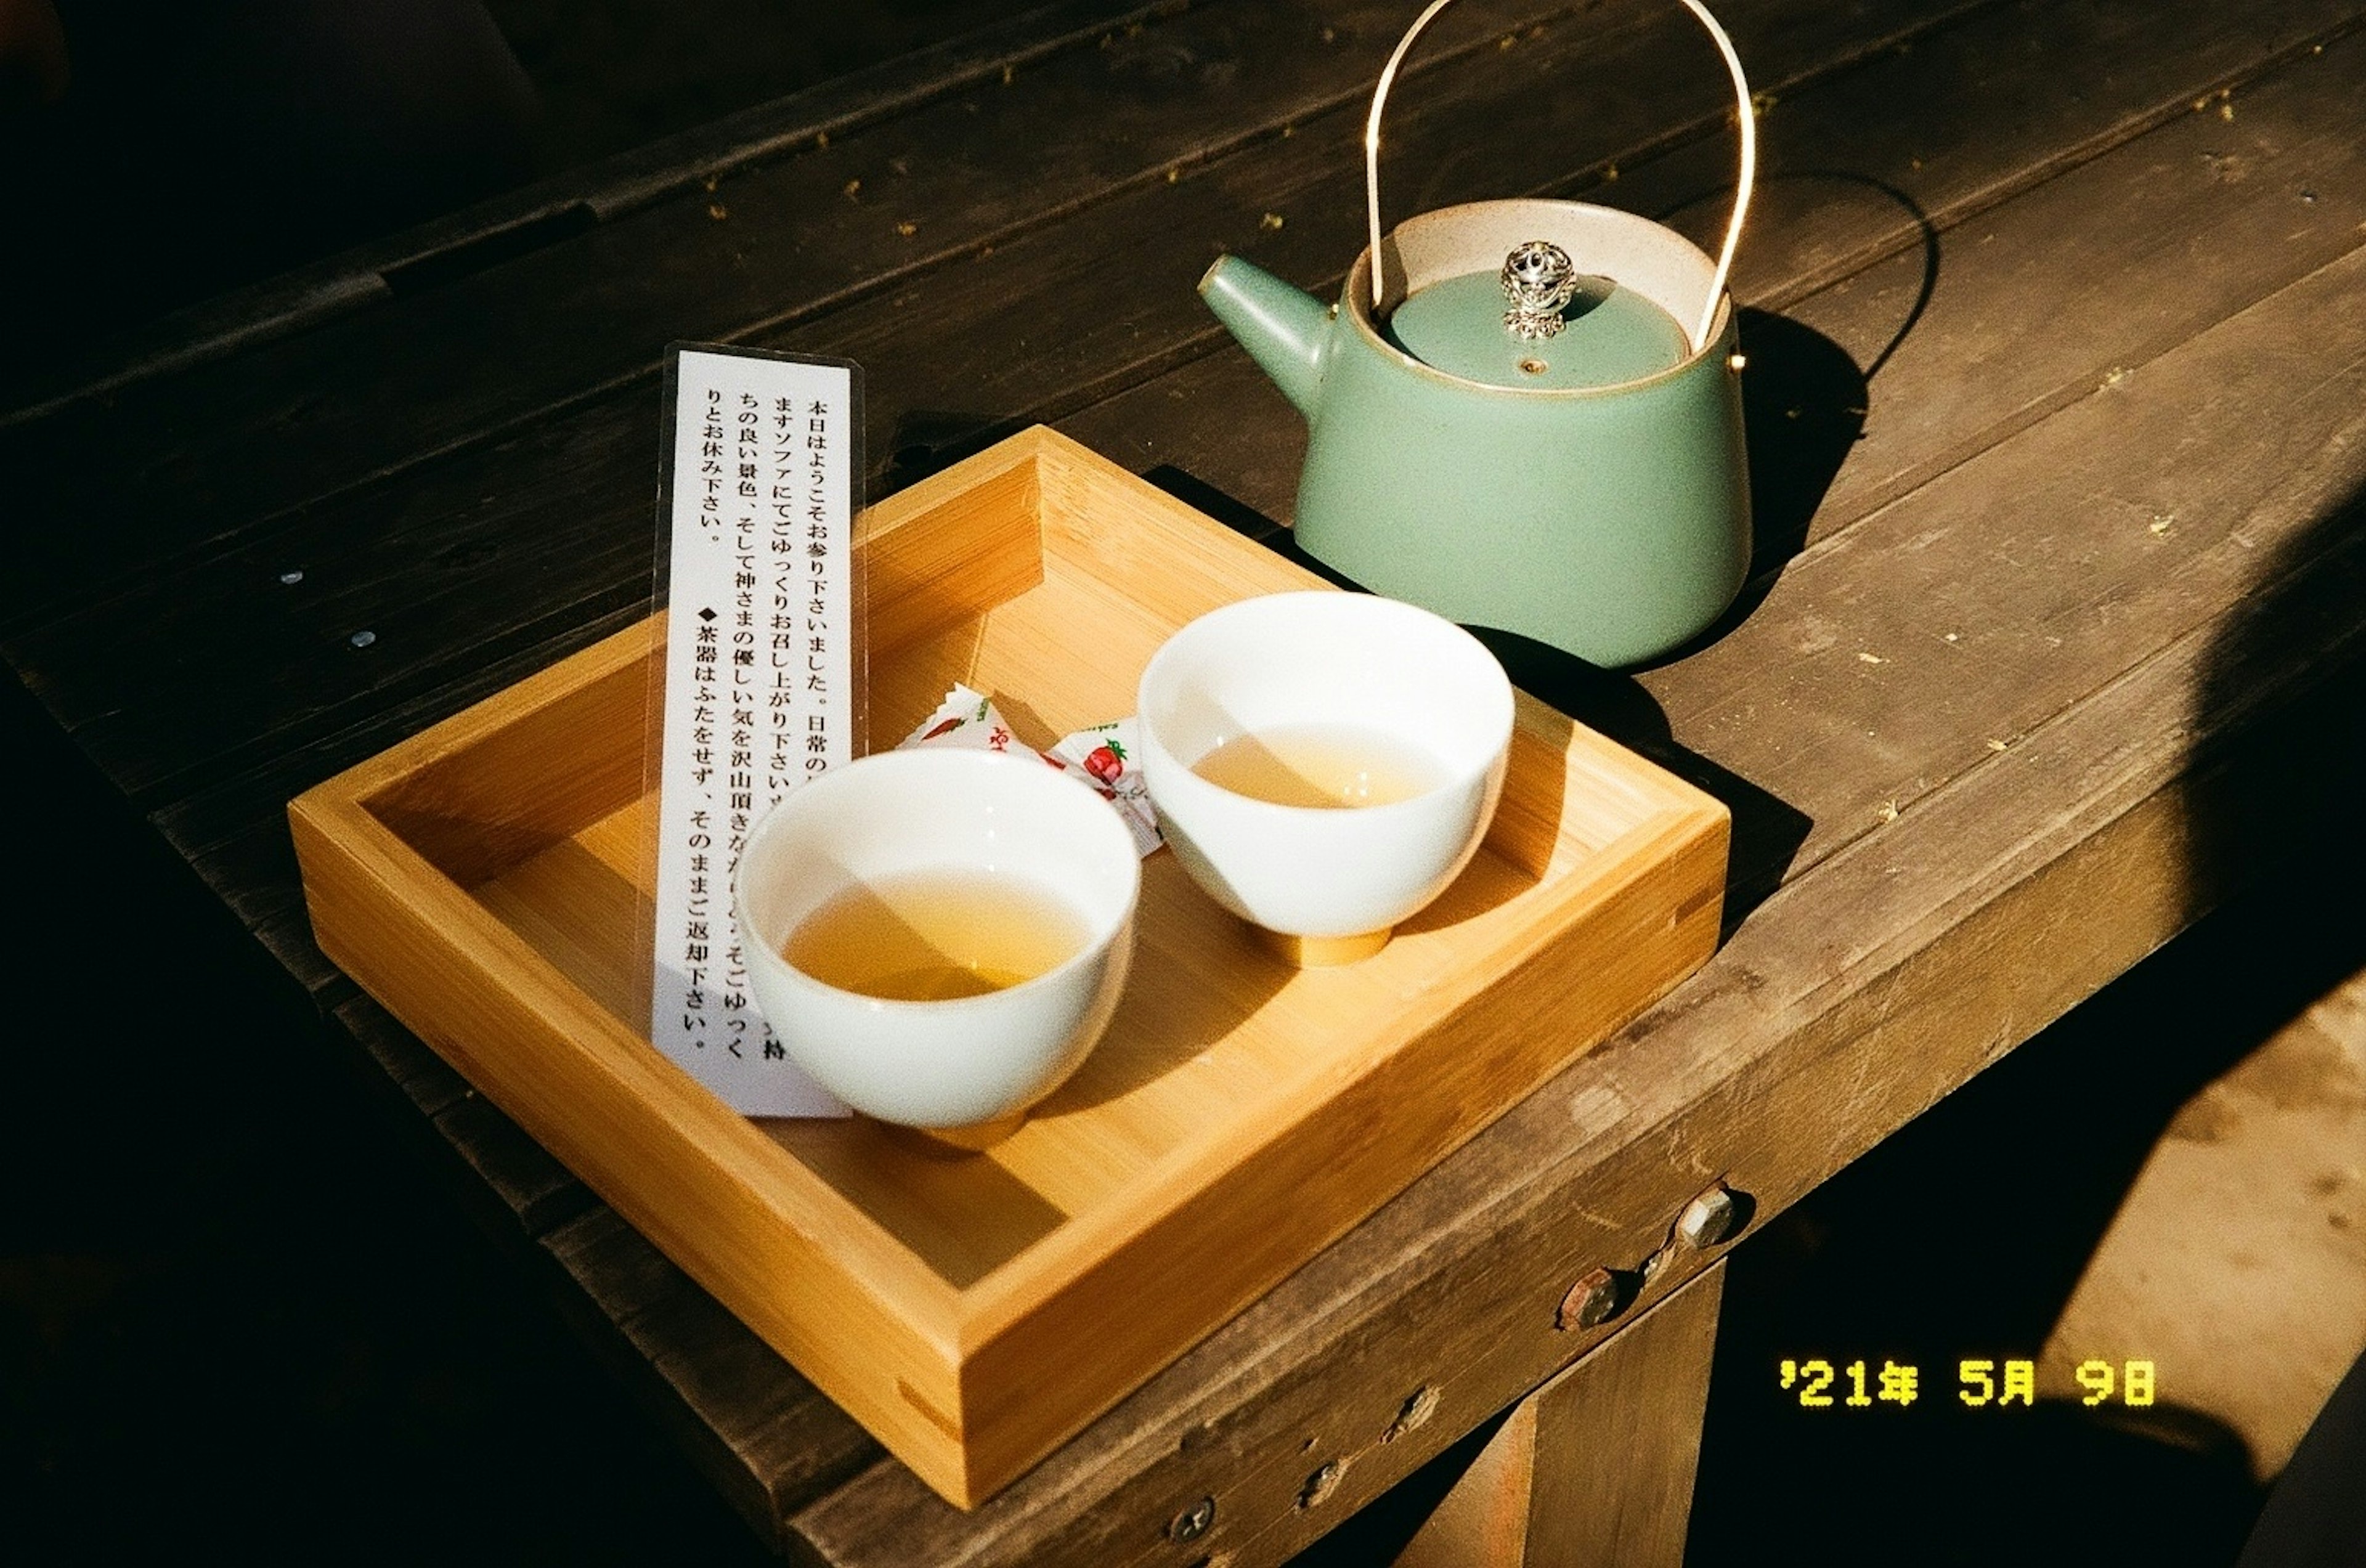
(1962, 1238)
(928, 440)
(1803, 406)
(1766, 830)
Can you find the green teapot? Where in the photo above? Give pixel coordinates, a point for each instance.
(1522, 414)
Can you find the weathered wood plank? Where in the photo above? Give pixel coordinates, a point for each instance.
(582, 531)
(2109, 896)
(1594, 1469)
(163, 465)
(529, 1182)
(1738, 701)
(2178, 241)
(414, 1070)
(1470, 1414)
(360, 546)
(767, 1437)
(536, 215)
(2085, 914)
(2001, 601)
(1858, 994)
(235, 836)
(1805, 651)
(2194, 221)
(1618, 1439)
(1588, 129)
(2206, 405)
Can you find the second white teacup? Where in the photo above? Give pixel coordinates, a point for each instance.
(939, 937)
(1325, 764)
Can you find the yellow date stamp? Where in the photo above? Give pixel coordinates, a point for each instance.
(1980, 1384)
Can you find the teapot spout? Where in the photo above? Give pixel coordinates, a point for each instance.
(1286, 330)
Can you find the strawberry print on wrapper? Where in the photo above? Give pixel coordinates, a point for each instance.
(1104, 754)
(1101, 758)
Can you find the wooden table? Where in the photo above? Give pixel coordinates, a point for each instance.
(2057, 355)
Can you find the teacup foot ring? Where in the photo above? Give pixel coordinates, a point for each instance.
(1322, 951)
(976, 1138)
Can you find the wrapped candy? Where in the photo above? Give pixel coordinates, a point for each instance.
(1100, 757)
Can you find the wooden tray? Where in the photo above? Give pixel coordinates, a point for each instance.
(480, 880)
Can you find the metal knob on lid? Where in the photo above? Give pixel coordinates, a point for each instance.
(1539, 281)
(1523, 413)
(1564, 329)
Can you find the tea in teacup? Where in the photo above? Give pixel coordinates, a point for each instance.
(1330, 766)
(939, 934)
(907, 978)
(1262, 708)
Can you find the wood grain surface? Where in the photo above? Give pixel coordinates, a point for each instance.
(1036, 330)
(1594, 1469)
(2056, 350)
(485, 878)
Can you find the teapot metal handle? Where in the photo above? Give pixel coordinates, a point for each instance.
(1741, 196)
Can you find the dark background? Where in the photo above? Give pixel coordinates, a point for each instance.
(240, 1313)
(205, 145)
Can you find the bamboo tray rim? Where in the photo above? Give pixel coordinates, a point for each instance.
(580, 1044)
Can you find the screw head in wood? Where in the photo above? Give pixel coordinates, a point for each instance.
(1708, 1219)
(1193, 1522)
(1591, 1302)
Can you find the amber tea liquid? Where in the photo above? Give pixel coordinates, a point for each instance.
(1326, 765)
(932, 936)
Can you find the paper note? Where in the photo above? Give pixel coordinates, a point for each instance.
(759, 682)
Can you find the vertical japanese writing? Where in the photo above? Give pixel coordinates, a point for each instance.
(758, 689)
(696, 940)
(710, 461)
(819, 581)
(747, 451)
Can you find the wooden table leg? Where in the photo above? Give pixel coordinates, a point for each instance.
(1595, 1467)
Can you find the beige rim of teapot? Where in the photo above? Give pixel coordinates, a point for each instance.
(1699, 334)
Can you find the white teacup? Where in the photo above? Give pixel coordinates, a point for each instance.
(967, 1068)
(1330, 881)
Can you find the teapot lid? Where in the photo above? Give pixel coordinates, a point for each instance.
(1538, 324)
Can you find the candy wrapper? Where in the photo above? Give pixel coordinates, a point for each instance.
(1101, 757)
(1104, 756)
